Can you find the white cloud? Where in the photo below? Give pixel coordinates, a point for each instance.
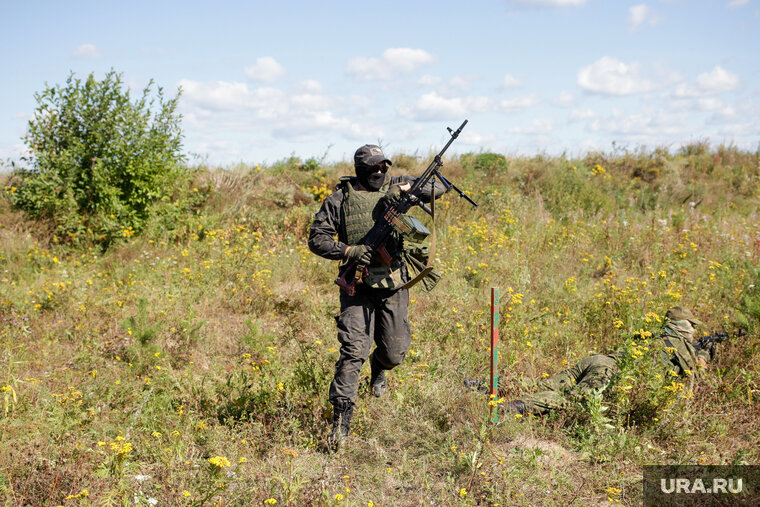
(266, 70)
(510, 81)
(637, 15)
(222, 96)
(215, 96)
(311, 86)
(476, 139)
(717, 81)
(368, 68)
(86, 52)
(640, 14)
(311, 101)
(590, 145)
(429, 80)
(519, 103)
(582, 114)
(710, 104)
(738, 3)
(565, 99)
(539, 126)
(748, 129)
(610, 76)
(549, 3)
(653, 124)
(727, 114)
(454, 85)
(269, 103)
(432, 106)
(208, 144)
(312, 127)
(217, 109)
(391, 61)
(363, 102)
(461, 82)
(406, 59)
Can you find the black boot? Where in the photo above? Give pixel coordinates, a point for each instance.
(343, 410)
(515, 407)
(476, 384)
(377, 384)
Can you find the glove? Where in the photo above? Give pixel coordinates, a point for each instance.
(393, 195)
(359, 253)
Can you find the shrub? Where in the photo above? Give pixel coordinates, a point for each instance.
(568, 188)
(97, 160)
(487, 162)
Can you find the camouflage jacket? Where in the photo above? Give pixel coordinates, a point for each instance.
(326, 230)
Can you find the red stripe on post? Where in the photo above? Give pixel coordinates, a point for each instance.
(494, 351)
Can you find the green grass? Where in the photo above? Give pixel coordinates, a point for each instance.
(216, 341)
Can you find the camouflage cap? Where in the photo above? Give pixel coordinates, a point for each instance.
(681, 313)
(370, 155)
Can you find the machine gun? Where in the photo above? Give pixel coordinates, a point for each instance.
(352, 272)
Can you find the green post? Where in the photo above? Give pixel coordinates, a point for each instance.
(494, 351)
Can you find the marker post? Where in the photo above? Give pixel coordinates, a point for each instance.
(494, 352)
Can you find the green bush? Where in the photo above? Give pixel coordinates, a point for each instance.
(567, 188)
(488, 162)
(99, 161)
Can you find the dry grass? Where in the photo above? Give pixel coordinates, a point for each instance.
(231, 353)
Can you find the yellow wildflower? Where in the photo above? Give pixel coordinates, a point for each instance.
(219, 461)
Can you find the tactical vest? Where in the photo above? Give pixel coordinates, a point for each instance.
(359, 208)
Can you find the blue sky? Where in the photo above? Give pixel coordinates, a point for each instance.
(264, 80)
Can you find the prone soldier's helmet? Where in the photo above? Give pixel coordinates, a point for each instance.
(682, 313)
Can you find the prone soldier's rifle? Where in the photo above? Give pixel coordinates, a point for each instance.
(708, 342)
(352, 272)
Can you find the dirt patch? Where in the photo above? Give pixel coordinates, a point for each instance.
(549, 452)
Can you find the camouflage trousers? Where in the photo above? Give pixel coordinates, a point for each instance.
(372, 315)
(591, 374)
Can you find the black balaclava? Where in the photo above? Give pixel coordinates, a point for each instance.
(367, 159)
(370, 177)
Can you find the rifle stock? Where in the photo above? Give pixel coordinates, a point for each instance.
(349, 277)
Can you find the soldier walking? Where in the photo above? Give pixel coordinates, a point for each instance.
(377, 312)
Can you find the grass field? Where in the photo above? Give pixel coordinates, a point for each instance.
(190, 366)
